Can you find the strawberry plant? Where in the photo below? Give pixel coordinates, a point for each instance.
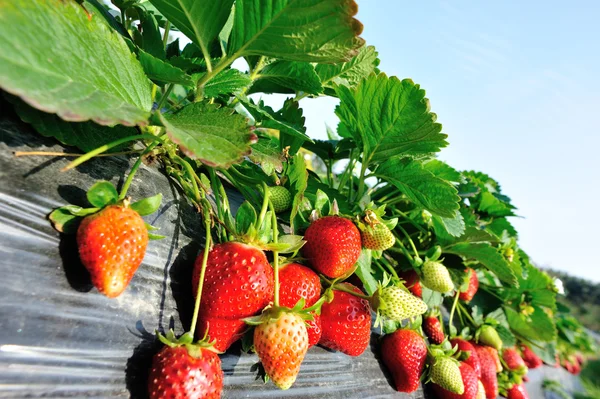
(373, 220)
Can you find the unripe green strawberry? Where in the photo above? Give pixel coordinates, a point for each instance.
(489, 336)
(436, 277)
(445, 372)
(377, 237)
(281, 198)
(397, 304)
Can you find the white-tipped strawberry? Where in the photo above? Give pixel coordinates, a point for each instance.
(436, 277)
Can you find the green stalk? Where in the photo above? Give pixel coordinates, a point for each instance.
(134, 169)
(165, 96)
(106, 147)
(453, 309)
(349, 291)
(166, 35)
(412, 244)
(361, 181)
(190, 171)
(275, 254)
(207, 245)
(265, 206)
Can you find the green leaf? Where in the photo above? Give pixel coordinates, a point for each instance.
(488, 256)
(536, 286)
(500, 225)
(173, 49)
(64, 221)
(298, 181)
(161, 72)
(364, 271)
(152, 39)
(446, 229)
(199, 20)
(538, 327)
(102, 193)
(444, 171)
(86, 136)
(266, 152)
(287, 77)
(433, 299)
(390, 118)
(245, 217)
(147, 206)
(494, 206)
(421, 186)
(216, 136)
(227, 82)
(349, 73)
(296, 30)
(153, 237)
(59, 61)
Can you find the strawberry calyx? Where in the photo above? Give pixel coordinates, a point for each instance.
(273, 313)
(187, 341)
(376, 232)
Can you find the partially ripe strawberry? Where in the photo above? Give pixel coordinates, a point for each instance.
(281, 198)
(333, 245)
(112, 244)
(473, 359)
(412, 282)
(489, 336)
(517, 392)
(433, 330)
(513, 360)
(436, 277)
(532, 361)
(495, 356)
(480, 390)
(489, 379)
(470, 382)
(404, 353)
(377, 237)
(223, 332)
(346, 322)
(396, 303)
(445, 372)
(177, 374)
(472, 288)
(281, 344)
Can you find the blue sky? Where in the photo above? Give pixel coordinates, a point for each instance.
(515, 85)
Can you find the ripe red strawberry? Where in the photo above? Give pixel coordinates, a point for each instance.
(473, 359)
(531, 360)
(472, 288)
(489, 379)
(404, 353)
(176, 373)
(112, 244)
(495, 356)
(281, 344)
(223, 332)
(412, 282)
(238, 283)
(513, 360)
(297, 282)
(346, 322)
(333, 245)
(433, 329)
(517, 392)
(470, 382)
(314, 329)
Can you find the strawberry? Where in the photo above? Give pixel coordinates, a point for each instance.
(333, 245)
(436, 277)
(404, 353)
(473, 359)
(238, 284)
(488, 378)
(445, 373)
(513, 360)
(494, 355)
(412, 282)
(346, 322)
(470, 383)
(517, 391)
(396, 303)
(480, 390)
(377, 237)
(281, 198)
(296, 282)
(281, 344)
(532, 361)
(489, 336)
(433, 329)
(472, 288)
(181, 373)
(112, 244)
(223, 332)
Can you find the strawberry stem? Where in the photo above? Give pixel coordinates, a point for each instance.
(207, 245)
(412, 244)
(134, 169)
(265, 206)
(453, 309)
(275, 253)
(349, 291)
(106, 147)
(190, 171)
